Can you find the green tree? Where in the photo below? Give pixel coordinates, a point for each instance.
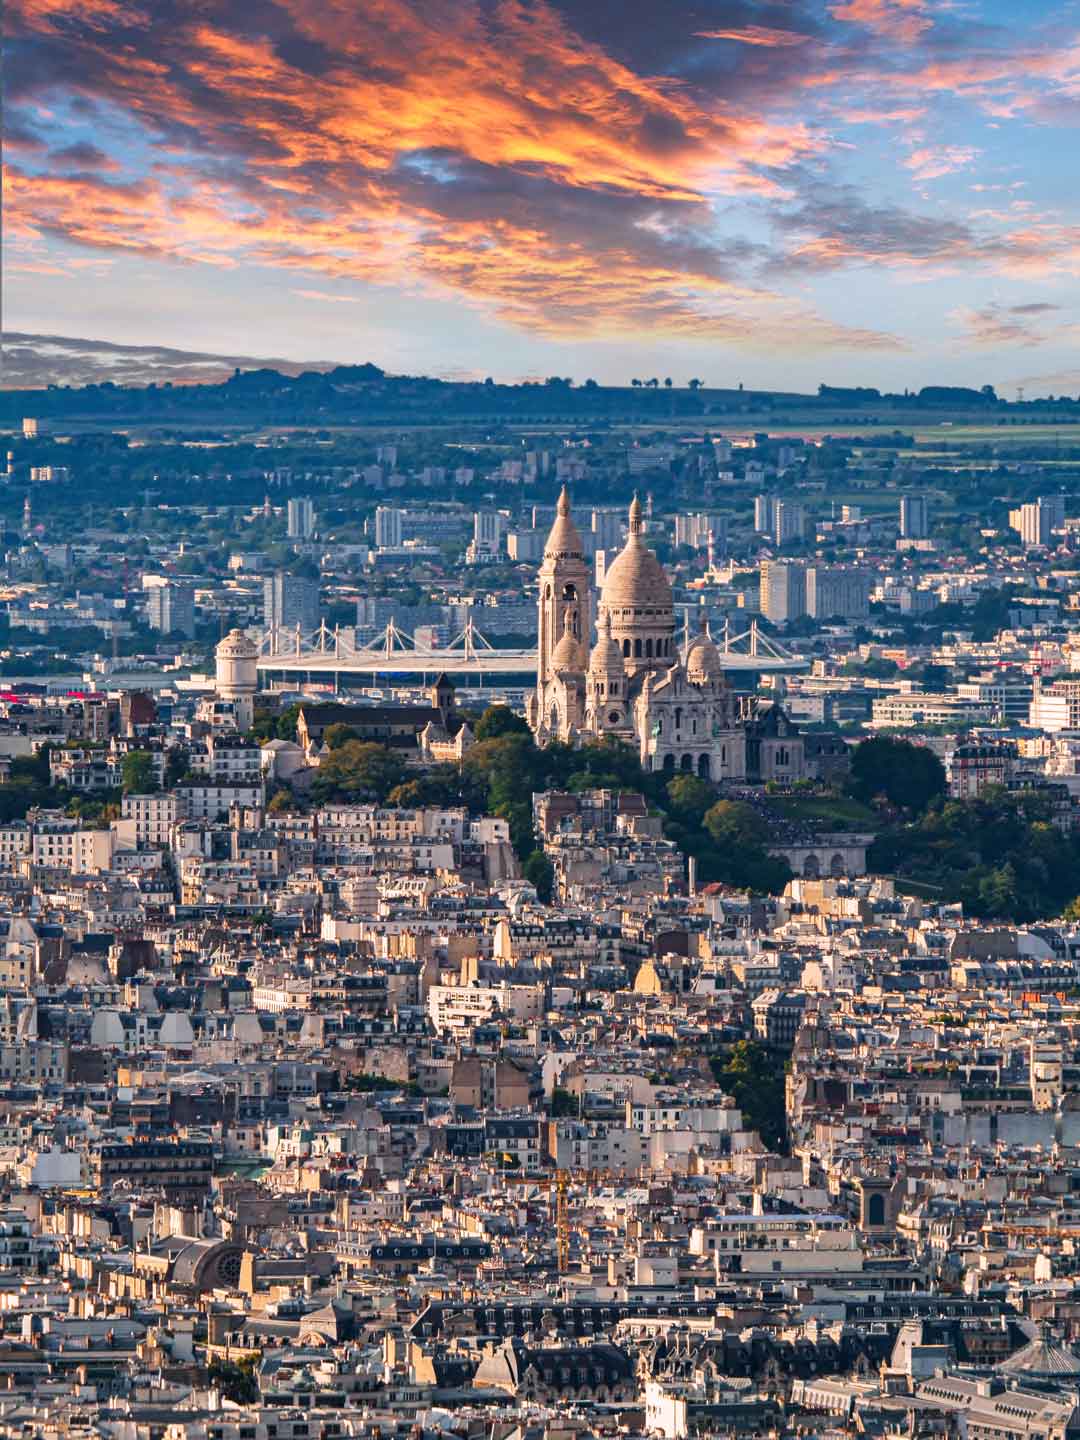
(499, 720)
(997, 892)
(286, 722)
(33, 769)
(334, 736)
(564, 1105)
(909, 776)
(754, 1077)
(264, 726)
(358, 771)
(176, 762)
(733, 822)
(237, 1381)
(689, 798)
(730, 847)
(137, 773)
(540, 873)
(1001, 856)
(512, 769)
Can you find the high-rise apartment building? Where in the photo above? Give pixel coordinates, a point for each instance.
(388, 523)
(789, 522)
(914, 517)
(764, 514)
(487, 532)
(301, 519)
(607, 528)
(290, 600)
(170, 609)
(837, 590)
(525, 546)
(783, 590)
(694, 530)
(1038, 519)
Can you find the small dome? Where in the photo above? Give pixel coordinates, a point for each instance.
(606, 655)
(703, 662)
(564, 539)
(237, 644)
(635, 578)
(568, 657)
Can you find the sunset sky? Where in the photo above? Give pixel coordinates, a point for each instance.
(869, 191)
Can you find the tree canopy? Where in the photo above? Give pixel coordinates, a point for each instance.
(499, 720)
(1000, 856)
(908, 776)
(360, 771)
(137, 773)
(754, 1076)
(689, 798)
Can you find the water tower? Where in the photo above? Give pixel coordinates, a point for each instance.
(238, 675)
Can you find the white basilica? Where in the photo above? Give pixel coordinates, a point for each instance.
(635, 682)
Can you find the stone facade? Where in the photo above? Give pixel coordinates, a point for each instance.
(672, 703)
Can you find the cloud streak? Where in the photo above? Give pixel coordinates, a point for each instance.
(558, 167)
(996, 326)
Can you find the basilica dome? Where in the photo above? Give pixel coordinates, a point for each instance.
(703, 662)
(606, 654)
(568, 657)
(635, 579)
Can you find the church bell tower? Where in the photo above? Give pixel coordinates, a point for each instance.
(565, 593)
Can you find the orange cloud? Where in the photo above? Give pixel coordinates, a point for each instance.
(995, 325)
(461, 148)
(474, 148)
(929, 163)
(755, 35)
(890, 116)
(903, 21)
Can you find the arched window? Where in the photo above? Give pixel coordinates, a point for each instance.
(648, 649)
(678, 719)
(637, 649)
(669, 764)
(569, 592)
(723, 754)
(703, 766)
(626, 649)
(875, 1211)
(686, 763)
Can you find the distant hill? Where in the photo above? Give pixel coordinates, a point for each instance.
(90, 381)
(33, 362)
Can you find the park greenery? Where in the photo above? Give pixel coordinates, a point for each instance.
(754, 1076)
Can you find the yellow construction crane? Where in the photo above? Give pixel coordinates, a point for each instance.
(558, 1182)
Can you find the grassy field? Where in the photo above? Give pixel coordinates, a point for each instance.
(919, 889)
(825, 810)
